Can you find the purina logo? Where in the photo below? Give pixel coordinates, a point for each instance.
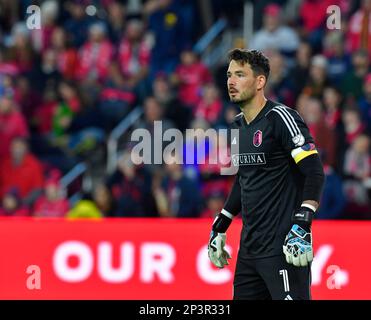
(246, 159)
(258, 138)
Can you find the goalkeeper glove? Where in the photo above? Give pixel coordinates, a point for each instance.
(216, 252)
(298, 243)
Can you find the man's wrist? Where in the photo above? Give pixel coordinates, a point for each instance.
(221, 222)
(304, 216)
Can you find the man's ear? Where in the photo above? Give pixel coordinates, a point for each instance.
(261, 82)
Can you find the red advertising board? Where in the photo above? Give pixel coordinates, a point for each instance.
(158, 259)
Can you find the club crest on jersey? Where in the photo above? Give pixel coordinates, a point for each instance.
(258, 138)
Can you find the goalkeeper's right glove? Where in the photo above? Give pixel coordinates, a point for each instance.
(298, 242)
(216, 252)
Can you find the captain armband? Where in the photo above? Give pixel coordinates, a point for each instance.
(304, 151)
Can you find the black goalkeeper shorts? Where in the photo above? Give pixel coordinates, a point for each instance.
(270, 278)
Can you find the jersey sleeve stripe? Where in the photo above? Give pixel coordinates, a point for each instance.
(290, 117)
(285, 121)
(302, 155)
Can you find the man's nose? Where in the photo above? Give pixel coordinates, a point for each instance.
(231, 82)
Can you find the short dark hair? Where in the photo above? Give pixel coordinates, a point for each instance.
(258, 62)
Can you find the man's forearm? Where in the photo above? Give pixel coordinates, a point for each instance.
(311, 168)
(233, 203)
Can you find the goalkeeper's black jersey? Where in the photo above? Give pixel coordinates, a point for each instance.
(268, 177)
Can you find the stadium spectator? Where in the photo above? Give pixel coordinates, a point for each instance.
(365, 102)
(227, 116)
(358, 161)
(333, 199)
(190, 75)
(77, 24)
(21, 52)
(21, 170)
(352, 82)
(8, 69)
(174, 110)
(134, 53)
(12, 205)
(332, 102)
(337, 58)
(169, 30)
(116, 20)
(104, 200)
(300, 68)
(25, 96)
(318, 78)
(279, 87)
(41, 37)
(95, 55)
(353, 125)
(274, 35)
(210, 106)
(42, 119)
(67, 108)
(67, 57)
(313, 14)
(176, 194)
(84, 208)
(130, 185)
(154, 121)
(116, 98)
(53, 202)
(359, 30)
(324, 137)
(12, 123)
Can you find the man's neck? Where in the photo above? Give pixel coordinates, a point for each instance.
(252, 108)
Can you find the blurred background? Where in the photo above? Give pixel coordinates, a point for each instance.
(73, 90)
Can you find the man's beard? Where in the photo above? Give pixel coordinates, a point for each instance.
(246, 96)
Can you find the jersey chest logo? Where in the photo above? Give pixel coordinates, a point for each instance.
(257, 138)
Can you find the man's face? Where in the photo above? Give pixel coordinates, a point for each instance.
(5, 105)
(18, 149)
(241, 83)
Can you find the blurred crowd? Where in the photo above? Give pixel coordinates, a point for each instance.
(64, 88)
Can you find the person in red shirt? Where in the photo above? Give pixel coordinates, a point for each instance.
(323, 135)
(95, 55)
(134, 53)
(12, 124)
(66, 54)
(210, 106)
(21, 170)
(190, 75)
(359, 29)
(53, 202)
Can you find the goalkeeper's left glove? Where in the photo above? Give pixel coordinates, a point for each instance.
(298, 243)
(218, 255)
(215, 248)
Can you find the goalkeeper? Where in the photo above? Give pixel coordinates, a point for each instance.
(277, 190)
